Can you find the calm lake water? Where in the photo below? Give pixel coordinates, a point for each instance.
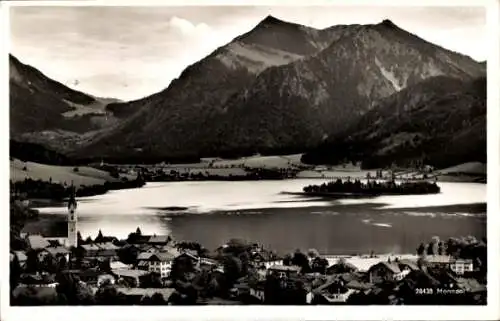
(259, 211)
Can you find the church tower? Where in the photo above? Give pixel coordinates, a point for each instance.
(72, 218)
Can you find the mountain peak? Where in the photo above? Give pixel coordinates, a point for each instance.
(388, 23)
(270, 19)
(13, 59)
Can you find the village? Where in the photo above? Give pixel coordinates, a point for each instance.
(158, 270)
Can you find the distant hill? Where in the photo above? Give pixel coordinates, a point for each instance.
(281, 88)
(47, 112)
(440, 121)
(36, 153)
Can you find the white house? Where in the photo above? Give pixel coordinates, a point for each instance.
(268, 264)
(462, 266)
(309, 297)
(257, 293)
(161, 263)
(401, 275)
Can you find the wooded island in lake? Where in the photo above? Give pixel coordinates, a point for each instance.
(371, 188)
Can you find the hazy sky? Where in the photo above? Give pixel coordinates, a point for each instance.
(130, 52)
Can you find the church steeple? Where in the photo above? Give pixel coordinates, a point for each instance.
(72, 218)
(72, 204)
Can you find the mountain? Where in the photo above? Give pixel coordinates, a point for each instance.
(440, 121)
(298, 104)
(46, 111)
(279, 88)
(36, 153)
(176, 120)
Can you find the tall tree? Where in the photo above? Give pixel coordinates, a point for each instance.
(287, 260)
(430, 249)
(62, 263)
(232, 269)
(49, 263)
(79, 239)
(108, 295)
(421, 249)
(180, 266)
(128, 254)
(32, 261)
(151, 280)
(99, 237)
(441, 248)
(158, 299)
(67, 287)
(15, 272)
(105, 266)
(300, 259)
(319, 265)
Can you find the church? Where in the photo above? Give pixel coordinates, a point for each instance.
(43, 233)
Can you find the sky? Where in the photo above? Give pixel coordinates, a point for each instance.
(132, 52)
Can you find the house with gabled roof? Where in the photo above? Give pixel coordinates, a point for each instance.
(107, 250)
(341, 267)
(37, 242)
(161, 263)
(106, 239)
(37, 280)
(56, 252)
(143, 260)
(90, 276)
(462, 266)
(283, 271)
(21, 258)
(159, 240)
(90, 250)
(135, 295)
(333, 291)
(132, 276)
(408, 264)
(384, 271)
(457, 265)
(139, 239)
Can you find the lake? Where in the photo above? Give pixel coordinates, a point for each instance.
(213, 212)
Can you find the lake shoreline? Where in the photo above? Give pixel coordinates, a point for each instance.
(369, 219)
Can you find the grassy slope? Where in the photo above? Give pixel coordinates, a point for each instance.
(263, 161)
(59, 174)
(472, 168)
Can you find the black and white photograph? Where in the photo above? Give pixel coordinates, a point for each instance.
(269, 155)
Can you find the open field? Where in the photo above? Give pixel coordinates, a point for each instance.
(261, 161)
(468, 172)
(472, 168)
(59, 174)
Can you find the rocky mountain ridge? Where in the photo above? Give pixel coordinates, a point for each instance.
(279, 88)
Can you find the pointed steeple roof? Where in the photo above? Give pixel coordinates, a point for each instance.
(72, 197)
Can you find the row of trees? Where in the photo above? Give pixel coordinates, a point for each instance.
(56, 191)
(19, 214)
(464, 247)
